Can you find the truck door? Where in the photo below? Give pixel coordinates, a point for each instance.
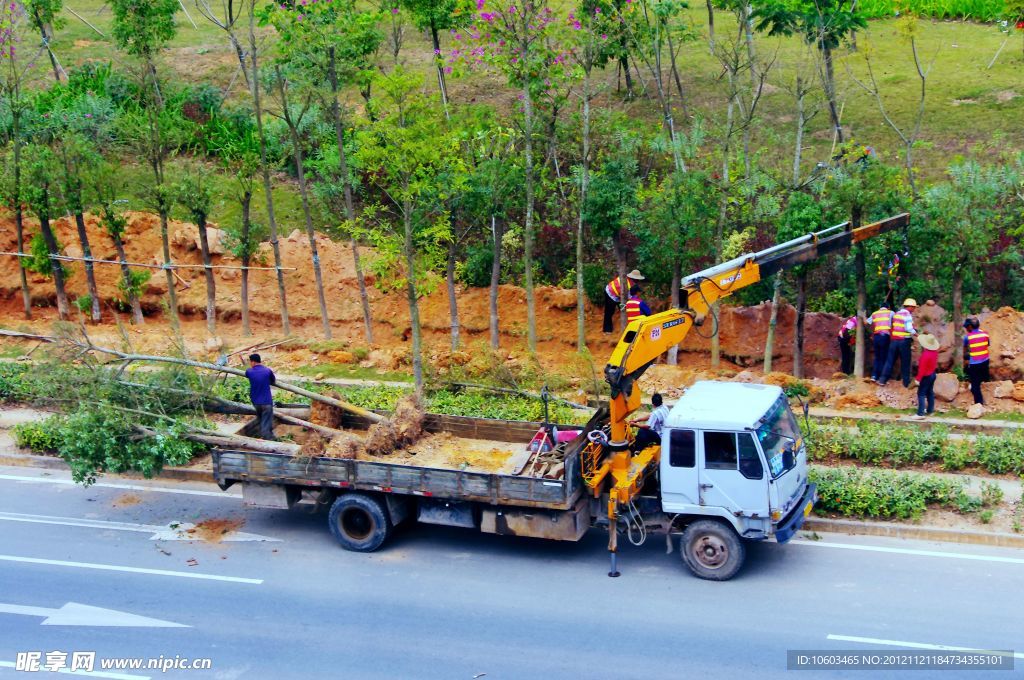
(678, 471)
(731, 473)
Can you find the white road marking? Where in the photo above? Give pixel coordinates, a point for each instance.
(911, 551)
(133, 570)
(922, 645)
(127, 487)
(75, 614)
(87, 674)
(175, 531)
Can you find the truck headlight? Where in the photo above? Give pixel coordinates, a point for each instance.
(776, 515)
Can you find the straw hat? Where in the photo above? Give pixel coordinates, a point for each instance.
(910, 302)
(928, 341)
(635, 275)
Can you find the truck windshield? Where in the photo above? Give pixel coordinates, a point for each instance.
(778, 432)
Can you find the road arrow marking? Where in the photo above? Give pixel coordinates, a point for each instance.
(75, 614)
(127, 487)
(175, 531)
(922, 645)
(131, 570)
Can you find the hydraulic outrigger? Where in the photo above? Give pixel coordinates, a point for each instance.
(621, 473)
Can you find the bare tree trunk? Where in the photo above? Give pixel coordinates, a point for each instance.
(773, 322)
(126, 276)
(26, 294)
(677, 277)
(211, 284)
(798, 149)
(860, 349)
(531, 311)
(172, 294)
(496, 235)
(410, 287)
(346, 181)
(90, 275)
(801, 314)
(46, 42)
(581, 296)
(441, 85)
(56, 266)
(958, 317)
(830, 94)
(308, 215)
(246, 259)
(620, 269)
(453, 305)
(286, 325)
(711, 27)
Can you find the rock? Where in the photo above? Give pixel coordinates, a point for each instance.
(562, 298)
(319, 376)
(946, 386)
(340, 356)
(73, 251)
(1003, 390)
(745, 377)
(157, 285)
(1018, 391)
(229, 274)
(295, 236)
(975, 411)
(183, 238)
(214, 344)
(215, 240)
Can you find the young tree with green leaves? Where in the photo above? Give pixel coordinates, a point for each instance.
(405, 151)
(802, 215)
(826, 24)
(45, 18)
(611, 208)
(435, 16)
(142, 28)
(195, 194)
(107, 189)
(42, 175)
(333, 45)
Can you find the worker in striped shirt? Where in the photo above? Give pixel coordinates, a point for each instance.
(976, 351)
(899, 344)
(847, 338)
(881, 329)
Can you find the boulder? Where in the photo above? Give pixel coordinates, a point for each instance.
(214, 344)
(745, 377)
(185, 239)
(1003, 389)
(975, 411)
(946, 386)
(295, 236)
(215, 240)
(229, 274)
(562, 298)
(1018, 391)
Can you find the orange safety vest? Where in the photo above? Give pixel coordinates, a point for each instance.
(614, 288)
(900, 321)
(633, 309)
(881, 321)
(977, 345)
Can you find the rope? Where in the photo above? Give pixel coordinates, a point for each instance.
(68, 258)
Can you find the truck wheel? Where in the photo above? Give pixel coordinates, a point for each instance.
(360, 523)
(712, 550)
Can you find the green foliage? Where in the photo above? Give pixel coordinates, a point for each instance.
(839, 302)
(991, 494)
(853, 492)
(40, 436)
(1000, 454)
(137, 280)
(798, 388)
(84, 303)
(142, 27)
(476, 268)
(956, 455)
(595, 278)
(825, 24)
(973, 10)
(39, 257)
(97, 439)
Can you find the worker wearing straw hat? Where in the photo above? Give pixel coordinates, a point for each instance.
(614, 297)
(926, 367)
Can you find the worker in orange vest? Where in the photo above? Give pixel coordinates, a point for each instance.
(613, 297)
(881, 329)
(635, 306)
(847, 338)
(976, 349)
(899, 344)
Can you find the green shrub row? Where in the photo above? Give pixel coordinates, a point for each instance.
(878, 443)
(854, 492)
(973, 10)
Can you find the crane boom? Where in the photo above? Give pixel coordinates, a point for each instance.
(614, 469)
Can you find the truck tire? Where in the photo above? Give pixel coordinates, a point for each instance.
(712, 550)
(359, 522)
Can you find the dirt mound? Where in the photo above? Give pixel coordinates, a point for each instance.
(214, 530)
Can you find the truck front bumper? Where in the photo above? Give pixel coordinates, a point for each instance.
(792, 523)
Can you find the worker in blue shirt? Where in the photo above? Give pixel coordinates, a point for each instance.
(260, 379)
(648, 428)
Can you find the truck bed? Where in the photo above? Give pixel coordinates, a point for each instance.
(231, 466)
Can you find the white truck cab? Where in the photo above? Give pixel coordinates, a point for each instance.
(733, 452)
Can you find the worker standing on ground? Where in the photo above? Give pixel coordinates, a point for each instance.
(260, 379)
(899, 344)
(847, 337)
(635, 307)
(881, 327)
(976, 345)
(613, 297)
(926, 367)
(649, 427)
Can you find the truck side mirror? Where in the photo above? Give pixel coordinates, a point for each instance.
(787, 457)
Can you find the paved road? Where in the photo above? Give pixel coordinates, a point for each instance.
(448, 603)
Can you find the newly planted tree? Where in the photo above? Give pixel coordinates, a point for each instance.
(435, 16)
(45, 18)
(107, 189)
(195, 195)
(42, 175)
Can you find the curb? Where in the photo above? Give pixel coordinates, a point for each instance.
(906, 531)
(53, 463)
